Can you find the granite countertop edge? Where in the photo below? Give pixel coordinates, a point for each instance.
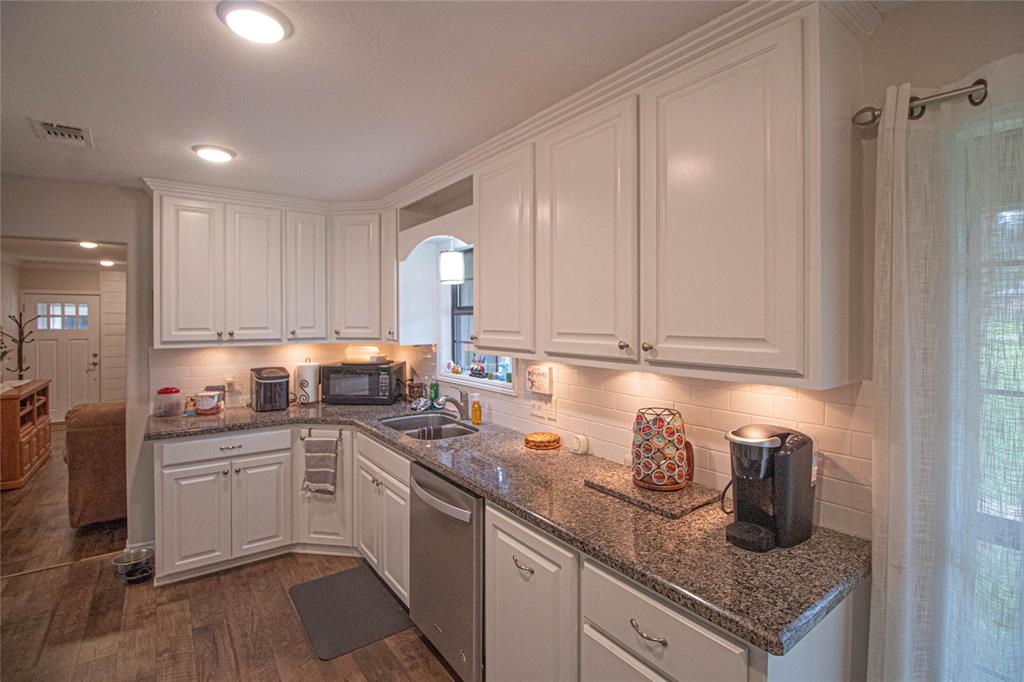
(770, 640)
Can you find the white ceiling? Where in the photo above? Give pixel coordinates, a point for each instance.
(362, 98)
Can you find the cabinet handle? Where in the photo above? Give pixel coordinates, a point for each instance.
(224, 473)
(646, 346)
(230, 447)
(623, 345)
(515, 560)
(643, 635)
(238, 470)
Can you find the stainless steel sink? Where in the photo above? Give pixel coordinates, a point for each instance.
(430, 426)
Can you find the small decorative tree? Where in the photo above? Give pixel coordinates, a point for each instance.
(23, 338)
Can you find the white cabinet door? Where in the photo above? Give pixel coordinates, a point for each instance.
(306, 276)
(321, 521)
(394, 563)
(530, 589)
(261, 503)
(253, 274)
(602, 660)
(368, 512)
(195, 509)
(191, 269)
(354, 279)
(503, 308)
(587, 236)
(722, 247)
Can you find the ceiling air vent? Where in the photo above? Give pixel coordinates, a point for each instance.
(62, 134)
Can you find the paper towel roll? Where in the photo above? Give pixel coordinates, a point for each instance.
(307, 382)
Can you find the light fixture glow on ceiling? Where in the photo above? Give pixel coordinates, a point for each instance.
(107, 263)
(88, 245)
(255, 21)
(213, 153)
(451, 266)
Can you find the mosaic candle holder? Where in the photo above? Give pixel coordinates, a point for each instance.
(662, 457)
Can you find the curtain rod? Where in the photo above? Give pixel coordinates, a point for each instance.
(869, 115)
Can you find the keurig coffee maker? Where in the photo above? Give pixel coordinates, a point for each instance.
(771, 485)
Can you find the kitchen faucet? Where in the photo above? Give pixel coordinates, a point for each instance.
(462, 404)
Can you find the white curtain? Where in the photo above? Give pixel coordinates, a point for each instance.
(948, 482)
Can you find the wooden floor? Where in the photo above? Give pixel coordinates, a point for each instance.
(79, 622)
(34, 530)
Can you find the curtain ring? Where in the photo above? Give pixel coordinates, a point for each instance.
(916, 112)
(982, 96)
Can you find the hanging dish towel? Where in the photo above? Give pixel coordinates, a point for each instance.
(321, 467)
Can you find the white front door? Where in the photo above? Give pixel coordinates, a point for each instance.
(65, 347)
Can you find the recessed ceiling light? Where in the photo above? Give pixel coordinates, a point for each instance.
(255, 21)
(213, 153)
(107, 263)
(88, 245)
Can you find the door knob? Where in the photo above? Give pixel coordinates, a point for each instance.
(623, 345)
(646, 346)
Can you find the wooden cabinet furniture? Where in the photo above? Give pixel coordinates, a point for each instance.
(530, 602)
(353, 295)
(220, 499)
(252, 273)
(305, 276)
(503, 255)
(382, 512)
(587, 234)
(25, 432)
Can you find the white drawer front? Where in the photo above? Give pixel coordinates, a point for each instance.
(691, 651)
(385, 459)
(602, 660)
(228, 446)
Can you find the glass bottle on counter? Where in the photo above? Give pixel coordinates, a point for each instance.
(435, 390)
(476, 410)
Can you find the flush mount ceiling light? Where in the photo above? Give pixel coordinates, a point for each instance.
(213, 153)
(107, 263)
(452, 266)
(255, 21)
(88, 245)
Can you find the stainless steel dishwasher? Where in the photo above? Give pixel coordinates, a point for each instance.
(446, 570)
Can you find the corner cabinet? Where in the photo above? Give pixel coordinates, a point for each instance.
(503, 253)
(354, 280)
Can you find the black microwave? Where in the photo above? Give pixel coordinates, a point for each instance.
(362, 383)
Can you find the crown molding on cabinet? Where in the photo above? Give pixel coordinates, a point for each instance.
(860, 17)
(717, 33)
(260, 199)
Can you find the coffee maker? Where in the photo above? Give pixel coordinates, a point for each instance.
(771, 482)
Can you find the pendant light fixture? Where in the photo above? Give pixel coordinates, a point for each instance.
(452, 266)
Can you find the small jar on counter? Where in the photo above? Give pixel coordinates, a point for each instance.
(476, 410)
(168, 402)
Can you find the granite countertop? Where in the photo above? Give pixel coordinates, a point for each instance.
(771, 599)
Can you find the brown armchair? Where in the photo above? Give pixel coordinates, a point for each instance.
(95, 454)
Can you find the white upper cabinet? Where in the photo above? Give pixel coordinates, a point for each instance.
(306, 276)
(253, 273)
(723, 220)
(354, 277)
(191, 279)
(587, 236)
(503, 253)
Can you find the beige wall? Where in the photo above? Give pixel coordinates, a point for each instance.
(34, 278)
(58, 209)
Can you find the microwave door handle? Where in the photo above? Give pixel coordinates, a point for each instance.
(457, 513)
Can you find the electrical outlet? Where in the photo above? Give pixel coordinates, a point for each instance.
(538, 408)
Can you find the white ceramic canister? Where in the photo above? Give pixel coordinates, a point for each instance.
(307, 382)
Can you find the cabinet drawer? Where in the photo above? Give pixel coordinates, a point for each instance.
(691, 651)
(236, 445)
(385, 459)
(602, 660)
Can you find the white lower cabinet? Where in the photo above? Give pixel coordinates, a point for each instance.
(602, 660)
(320, 521)
(261, 503)
(195, 513)
(530, 588)
(382, 513)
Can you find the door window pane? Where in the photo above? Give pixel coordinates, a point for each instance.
(55, 308)
(55, 323)
(41, 322)
(40, 308)
(83, 323)
(83, 309)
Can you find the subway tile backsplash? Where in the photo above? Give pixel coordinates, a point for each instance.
(601, 404)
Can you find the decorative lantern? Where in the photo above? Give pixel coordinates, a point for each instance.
(662, 457)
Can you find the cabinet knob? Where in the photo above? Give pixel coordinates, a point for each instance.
(472, 337)
(337, 332)
(238, 470)
(623, 345)
(231, 332)
(391, 334)
(219, 333)
(646, 346)
(225, 472)
(292, 332)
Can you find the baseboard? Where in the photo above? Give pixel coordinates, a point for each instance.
(141, 545)
(299, 548)
(325, 550)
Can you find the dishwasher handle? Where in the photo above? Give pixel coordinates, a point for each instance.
(457, 513)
